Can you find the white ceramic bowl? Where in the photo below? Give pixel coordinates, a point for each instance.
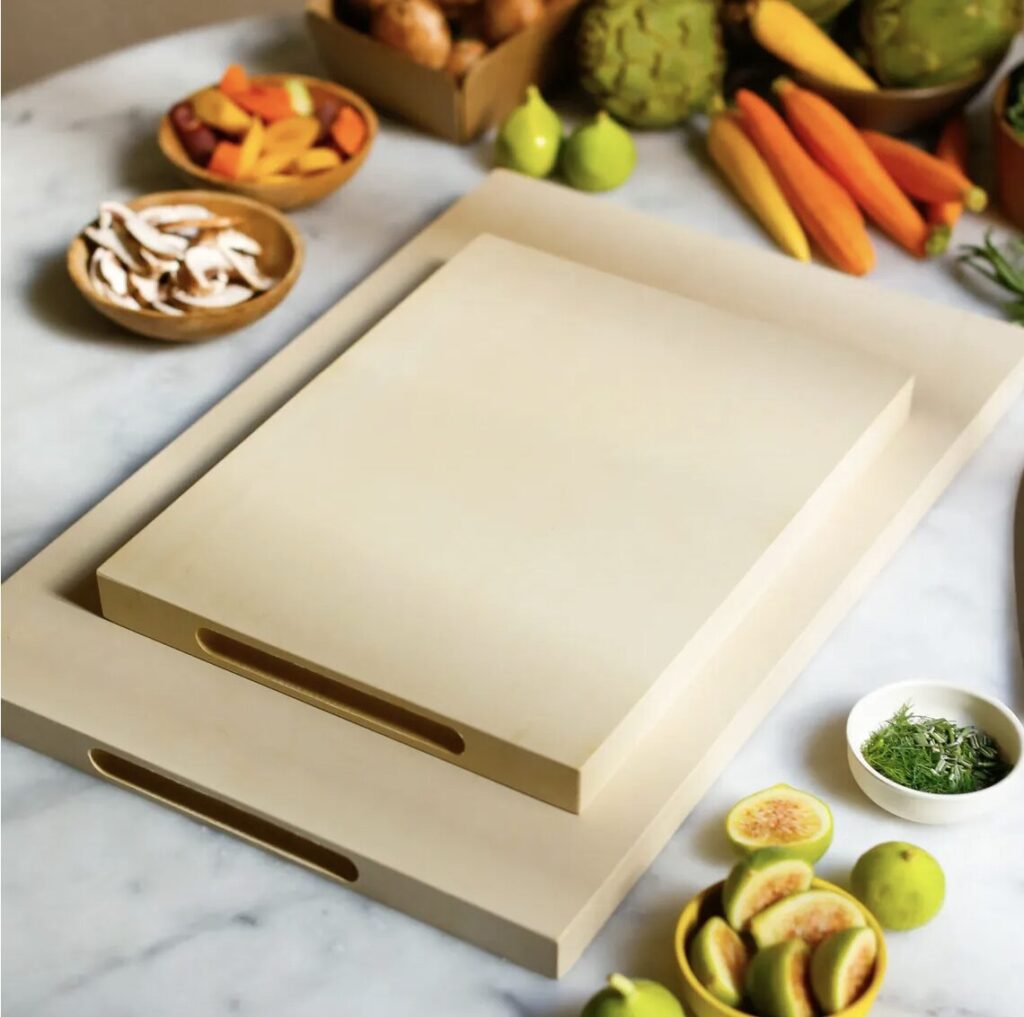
(934, 699)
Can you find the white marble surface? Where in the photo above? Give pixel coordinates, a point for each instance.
(114, 907)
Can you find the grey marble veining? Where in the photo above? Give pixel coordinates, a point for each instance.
(115, 908)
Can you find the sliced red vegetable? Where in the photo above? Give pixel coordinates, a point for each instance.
(349, 130)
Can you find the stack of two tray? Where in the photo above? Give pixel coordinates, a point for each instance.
(516, 574)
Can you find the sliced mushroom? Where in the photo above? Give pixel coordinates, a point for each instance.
(107, 236)
(227, 297)
(207, 269)
(164, 308)
(239, 241)
(148, 236)
(145, 288)
(246, 267)
(100, 284)
(169, 215)
(159, 266)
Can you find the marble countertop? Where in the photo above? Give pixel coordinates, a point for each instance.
(113, 907)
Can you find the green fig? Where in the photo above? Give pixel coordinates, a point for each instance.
(530, 137)
(599, 156)
(755, 883)
(719, 959)
(901, 884)
(629, 997)
(777, 980)
(810, 916)
(841, 967)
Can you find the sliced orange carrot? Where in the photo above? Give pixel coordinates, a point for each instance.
(836, 144)
(349, 130)
(225, 160)
(951, 148)
(827, 212)
(234, 80)
(271, 102)
(252, 145)
(922, 175)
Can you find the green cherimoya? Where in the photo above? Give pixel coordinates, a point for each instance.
(914, 43)
(651, 63)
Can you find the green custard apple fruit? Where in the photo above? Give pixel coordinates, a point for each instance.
(781, 816)
(777, 980)
(530, 138)
(651, 63)
(598, 156)
(718, 957)
(810, 916)
(915, 43)
(755, 883)
(902, 885)
(633, 997)
(842, 966)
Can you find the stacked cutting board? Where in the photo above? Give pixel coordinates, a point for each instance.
(471, 614)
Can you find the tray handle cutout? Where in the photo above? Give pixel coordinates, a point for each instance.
(330, 693)
(230, 818)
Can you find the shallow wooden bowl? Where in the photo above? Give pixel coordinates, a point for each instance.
(897, 110)
(1009, 158)
(701, 1003)
(283, 194)
(281, 258)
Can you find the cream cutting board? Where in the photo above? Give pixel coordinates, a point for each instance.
(508, 526)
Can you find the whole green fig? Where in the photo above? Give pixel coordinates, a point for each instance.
(627, 997)
(598, 156)
(529, 139)
(915, 43)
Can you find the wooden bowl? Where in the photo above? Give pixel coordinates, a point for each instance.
(283, 194)
(897, 110)
(281, 258)
(700, 1002)
(1009, 158)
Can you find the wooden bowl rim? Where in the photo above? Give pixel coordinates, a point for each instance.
(76, 257)
(691, 911)
(922, 94)
(172, 148)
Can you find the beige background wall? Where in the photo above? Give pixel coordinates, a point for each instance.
(43, 36)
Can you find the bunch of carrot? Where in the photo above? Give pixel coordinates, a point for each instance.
(814, 174)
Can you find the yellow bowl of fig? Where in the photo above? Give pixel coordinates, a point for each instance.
(284, 139)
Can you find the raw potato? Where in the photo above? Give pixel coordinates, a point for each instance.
(417, 28)
(503, 18)
(464, 54)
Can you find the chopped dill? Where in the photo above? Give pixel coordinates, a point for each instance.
(932, 754)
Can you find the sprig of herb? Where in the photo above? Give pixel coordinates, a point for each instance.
(933, 754)
(1003, 267)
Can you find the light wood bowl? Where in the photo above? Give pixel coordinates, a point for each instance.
(897, 110)
(1009, 158)
(281, 258)
(302, 190)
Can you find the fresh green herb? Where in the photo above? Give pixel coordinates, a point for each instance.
(933, 754)
(1015, 100)
(1003, 267)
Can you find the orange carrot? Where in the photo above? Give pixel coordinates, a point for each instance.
(234, 80)
(827, 212)
(349, 130)
(226, 160)
(951, 148)
(270, 102)
(922, 175)
(835, 143)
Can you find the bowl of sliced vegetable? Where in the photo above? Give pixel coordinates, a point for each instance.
(284, 139)
(934, 753)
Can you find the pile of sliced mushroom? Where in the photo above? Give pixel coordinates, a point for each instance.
(172, 259)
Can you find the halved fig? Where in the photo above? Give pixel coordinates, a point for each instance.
(842, 966)
(777, 981)
(781, 816)
(811, 916)
(719, 959)
(759, 881)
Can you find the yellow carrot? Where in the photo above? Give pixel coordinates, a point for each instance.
(785, 31)
(741, 164)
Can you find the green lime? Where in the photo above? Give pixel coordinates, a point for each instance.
(633, 997)
(599, 156)
(781, 816)
(529, 140)
(903, 885)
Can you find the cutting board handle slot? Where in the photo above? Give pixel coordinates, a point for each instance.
(204, 806)
(330, 693)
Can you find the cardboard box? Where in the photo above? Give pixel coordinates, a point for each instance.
(433, 100)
